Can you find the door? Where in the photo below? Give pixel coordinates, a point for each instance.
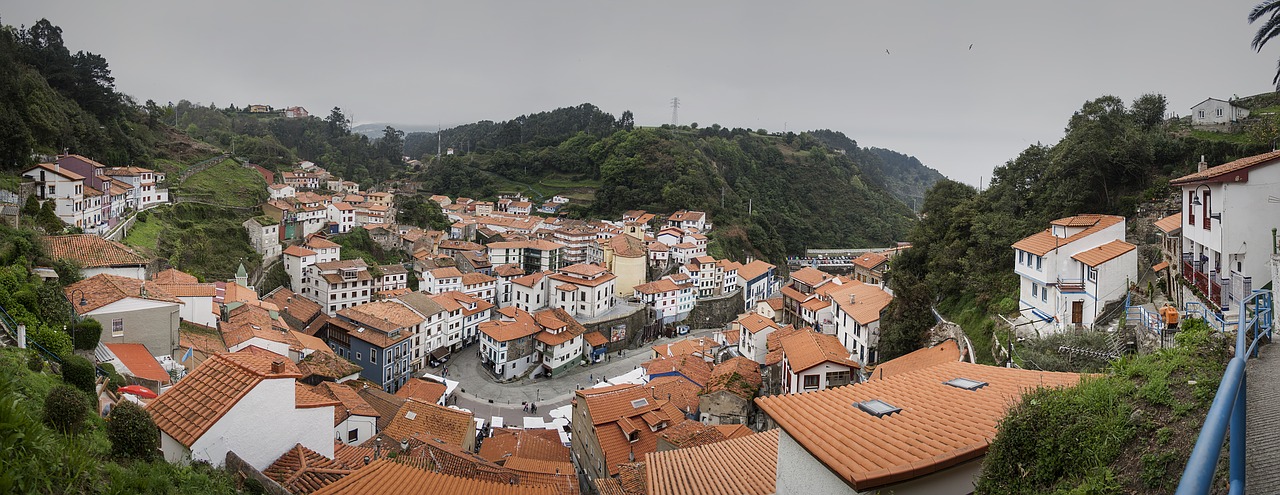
(1077, 312)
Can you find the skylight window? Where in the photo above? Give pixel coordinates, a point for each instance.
(410, 415)
(966, 383)
(638, 403)
(877, 408)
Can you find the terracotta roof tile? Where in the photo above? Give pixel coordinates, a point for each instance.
(739, 376)
(870, 260)
(702, 470)
(1104, 253)
(773, 343)
(1232, 168)
(681, 392)
(734, 431)
(92, 251)
(691, 434)
(350, 402)
(523, 326)
(174, 276)
(862, 301)
(754, 269)
(811, 276)
(298, 251)
(103, 289)
(384, 402)
(386, 315)
(1170, 224)
(306, 398)
(804, 350)
(327, 365)
(351, 455)
(595, 339)
(298, 310)
(754, 323)
(57, 170)
(533, 444)
(693, 368)
(1044, 241)
(384, 476)
(616, 411)
(698, 346)
(937, 426)
(422, 390)
(199, 400)
(947, 351)
(427, 421)
(627, 246)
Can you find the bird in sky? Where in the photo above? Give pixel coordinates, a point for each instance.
(970, 46)
(886, 51)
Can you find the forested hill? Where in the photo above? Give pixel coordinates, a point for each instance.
(770, 195)
(902, 175)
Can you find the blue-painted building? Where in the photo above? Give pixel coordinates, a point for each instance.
(377, 336)
(759, 281)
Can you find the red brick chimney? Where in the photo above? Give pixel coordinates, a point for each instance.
(277, 367)
(1203, 165)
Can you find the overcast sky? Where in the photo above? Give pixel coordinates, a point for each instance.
(896, 75)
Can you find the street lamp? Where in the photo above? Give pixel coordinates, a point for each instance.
(75, 316)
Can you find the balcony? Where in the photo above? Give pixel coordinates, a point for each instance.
(1068, 285)
(1211, 287)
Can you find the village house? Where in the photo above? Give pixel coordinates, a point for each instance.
(895, 421)
(800, 299)
(431, 342)
(1170, 266)
(480, 286)
(130, 311)
(382, 343)
(815, 361)
(856, 309)
(503, 286)
(250, 325)
(440, 280)
(584, 291)
(1213, 111)
(96, 255)
(76, 204)
(354, 420)
(341, 217)
(531, 256)
(626, 256)
(758, 281)
(281, 191)
(560, 342)
(1069, 271)
(727, 397)
(220, 407)
(197, 298)
(870, 268)
(465, 314)
(145, 185)
(264, 235)
(1226, 211)
(507, 346)
(529, 292)
(338, 284)
(753, 333)
(116, 196)
(712, 277)
(669, 301)
(689, 220)
(617, 424)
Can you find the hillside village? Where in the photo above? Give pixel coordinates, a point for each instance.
(351, 366)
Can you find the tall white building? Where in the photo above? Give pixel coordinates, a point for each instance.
(1069, 271)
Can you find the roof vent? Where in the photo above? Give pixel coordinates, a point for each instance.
(877, 407)
(410, 415)
(277, 366)
(638, 403)
(965, 383)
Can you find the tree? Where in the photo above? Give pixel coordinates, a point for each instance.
(48, 219)
(132, 432)
(65, 409)
(338, 124)
(1148, 110)
(87, 334)
(1270, 9)
(627, 122)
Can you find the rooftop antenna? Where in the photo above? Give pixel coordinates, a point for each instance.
(675, 106)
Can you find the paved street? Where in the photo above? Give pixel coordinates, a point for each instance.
(480, 392)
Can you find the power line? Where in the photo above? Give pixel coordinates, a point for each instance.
(675, 106)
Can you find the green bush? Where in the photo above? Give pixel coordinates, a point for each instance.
(87, 333)
(34, 362)
(78, 372)
(54, 341)
(132, 433)
(115, 380)
(65, 409)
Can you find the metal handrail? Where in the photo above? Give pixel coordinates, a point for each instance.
(10, 323)
(1229, 406)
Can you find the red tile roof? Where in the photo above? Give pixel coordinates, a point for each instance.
(422, 390)
(1227, 171)
(384, 476)
(327, 365)
(103, 289)
(505, 331)
(1170, 224)
(689, 345)
(1044, 241)
(937, 426)
(139, 361)
(174, 276)
(595, 339)
(811, 276)
(862, 301)
(702, 470)
(506, 443)
(92, 251)
(427, 421)
(199, 400)
(947, 351)
(694, 368)
(301, 470)
(739, 376)
(1104, 253)
(681, 392)
(804, 350)
(349, 401)
(619, 410)
(754, 269)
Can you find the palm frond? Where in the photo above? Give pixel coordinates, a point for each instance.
(1268, 6)
(1268, 31)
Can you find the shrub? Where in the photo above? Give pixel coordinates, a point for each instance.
(115, 380)
(65, 409)
(34, 362)
(132, 433)
(87, 333)
(78, 372)
(54, 341)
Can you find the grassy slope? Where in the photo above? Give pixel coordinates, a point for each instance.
(226, 183)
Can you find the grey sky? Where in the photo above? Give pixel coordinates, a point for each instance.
(798, 65)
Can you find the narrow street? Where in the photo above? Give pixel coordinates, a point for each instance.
(479, 392)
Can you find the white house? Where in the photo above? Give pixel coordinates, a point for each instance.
(856, 309)
(249, 402)
(1214, 111)
(1069, 271)
(441, 280)
(354, 421)
(1228, 212)
(895, 424)
(670, 301)
(264, 235)
(281, 191)
(582, 290)
(753, 333)
(815, 361)
(341, 214)
(529, 292)
(758, 281)
(68, 192)
(338, 285)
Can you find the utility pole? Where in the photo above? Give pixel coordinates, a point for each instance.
(438, 138)
(675, 115)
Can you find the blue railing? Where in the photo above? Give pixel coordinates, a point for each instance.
(1228, 409)
(9, 323)
(1196, 309)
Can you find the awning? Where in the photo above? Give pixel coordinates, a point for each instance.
(440, 352)
(1160, 266)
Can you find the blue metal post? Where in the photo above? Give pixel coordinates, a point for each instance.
(1238, 438)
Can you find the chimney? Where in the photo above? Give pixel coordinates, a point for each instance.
(852, 297)
(1203, 165)
(277, 367)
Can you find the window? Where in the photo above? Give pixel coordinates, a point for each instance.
(1044, 295)
(353, 436)
(1200, 113)
(1020, 253)
(837, 378)
(811, 381)
(1035, 290)
(1093, 274)
(358, 356)
(1191, 211)
(373, 357)
(1219, 112)
(117, 327)
(1039, 262)
(1208, 210)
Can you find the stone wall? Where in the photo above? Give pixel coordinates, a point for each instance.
(635, 321)
(715, 312)
(724, 408)
(243, 471)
